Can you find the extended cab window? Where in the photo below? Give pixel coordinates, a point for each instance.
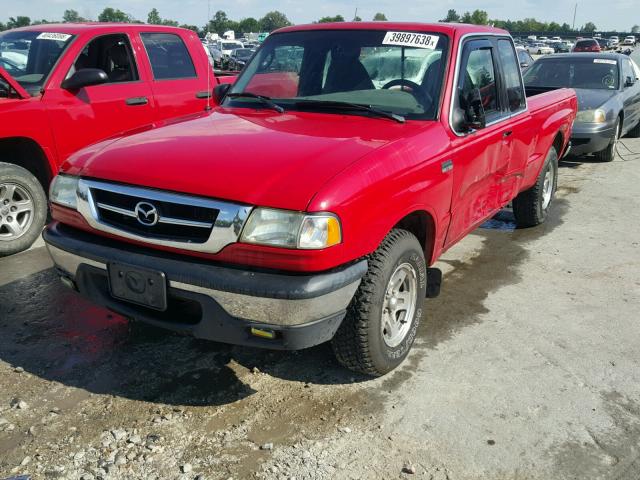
(627, 71)
(512, 80)
(168, 55)
(110, 53)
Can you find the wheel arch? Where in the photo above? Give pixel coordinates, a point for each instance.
(28, 154)
(422, 224)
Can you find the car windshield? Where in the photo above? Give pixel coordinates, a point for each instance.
(397, 72)
(230, 46)
(29, 56)
(595, 73)
(243, 53)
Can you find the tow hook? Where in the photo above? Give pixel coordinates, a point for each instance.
(434, 280)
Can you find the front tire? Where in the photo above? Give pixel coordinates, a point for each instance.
(383, 317)
(531, 207)
(609, 153)
(23, 209)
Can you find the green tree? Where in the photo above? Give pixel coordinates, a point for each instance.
(169, 23)
(3, 27)
(273, 21)
(452, 16)
(379, 17)
(248, 25)
(219, 23)
(337, 18)
(42, 21)
(479, 17)
(635, 29)
(589, 27)
(191, 27)
(154, 17)
(357, 19)
(114, 15)
(72, 16)
(17, 22)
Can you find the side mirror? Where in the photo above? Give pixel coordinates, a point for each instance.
(220, 91)
(85, 77)
(629, 82)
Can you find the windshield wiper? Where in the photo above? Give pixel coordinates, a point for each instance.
(335, 105)
(263, 99)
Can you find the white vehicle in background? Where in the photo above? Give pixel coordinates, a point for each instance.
(228, 46)
(629, 40)
(539, 48)
(543, 39)
(614, 41)
(555, 39)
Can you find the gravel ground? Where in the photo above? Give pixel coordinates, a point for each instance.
(526, 367)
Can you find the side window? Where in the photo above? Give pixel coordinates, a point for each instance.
(110, 53)
(168, 55)
(511, 69)
(627, 71)
(524, 58)
(478, 74)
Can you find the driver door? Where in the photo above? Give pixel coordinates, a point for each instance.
(94, 113)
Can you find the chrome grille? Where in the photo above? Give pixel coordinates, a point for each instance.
(161, 218)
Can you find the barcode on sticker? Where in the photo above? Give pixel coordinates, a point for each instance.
(408, 39)
(604, 60)
(61, 37)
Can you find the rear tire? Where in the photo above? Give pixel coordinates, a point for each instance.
(530, 208)
(383, 317)
(609, 153)
(23, 209)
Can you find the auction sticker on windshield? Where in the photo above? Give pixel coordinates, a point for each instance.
(408, 39)
(61, 37)
(604, 60)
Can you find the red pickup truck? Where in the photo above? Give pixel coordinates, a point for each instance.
(63, 87)
(307, 205)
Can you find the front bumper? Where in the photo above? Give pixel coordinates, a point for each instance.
(590, 138)
(210, 301)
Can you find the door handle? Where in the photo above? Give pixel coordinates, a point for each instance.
(507, 133)
(137, 101)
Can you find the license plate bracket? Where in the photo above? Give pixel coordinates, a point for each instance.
(141, 286)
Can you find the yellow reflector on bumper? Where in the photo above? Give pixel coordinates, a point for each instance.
(270, 334)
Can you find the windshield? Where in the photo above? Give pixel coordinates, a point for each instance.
(397, 72)
(29, 56)
(243, 53)
(595, 73)
(230, 46)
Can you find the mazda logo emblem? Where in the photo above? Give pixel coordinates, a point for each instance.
(147, 214)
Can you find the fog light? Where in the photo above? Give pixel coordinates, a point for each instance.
(259, 332)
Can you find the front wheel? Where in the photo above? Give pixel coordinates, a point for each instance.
(23, 209)
(530, 208)
(609, 153)
(383, 317)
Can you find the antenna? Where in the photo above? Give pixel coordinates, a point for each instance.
(209, 66)
(575, 10)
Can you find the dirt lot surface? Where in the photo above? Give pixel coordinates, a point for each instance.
(526, 367)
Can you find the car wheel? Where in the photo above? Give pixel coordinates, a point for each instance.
(609, 153)
(539, 52)
(23, 209)
(531, 207)
(383, 317)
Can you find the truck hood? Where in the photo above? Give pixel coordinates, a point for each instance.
(13, 83)
(259, 157)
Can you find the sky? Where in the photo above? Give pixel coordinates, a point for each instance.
(607, 15)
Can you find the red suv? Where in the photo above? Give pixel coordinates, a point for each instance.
(587, 45)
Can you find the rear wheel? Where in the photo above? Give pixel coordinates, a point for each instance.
(383, 317)
(23, 209)
(531, 207)
(609, 153)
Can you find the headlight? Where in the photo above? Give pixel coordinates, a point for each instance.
(63, 191)
(592, 116)
(282, 228)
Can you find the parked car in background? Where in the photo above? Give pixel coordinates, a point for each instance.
(539, 48)
(608, 89)
(78, 85)
(629, 40)
(239, 58)
(560, 47)
(524, 58)
(555, 39)
(603, 43)
(614, 40)
(587, 45)
(308, 206)
(228, 46)
(216, 54)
